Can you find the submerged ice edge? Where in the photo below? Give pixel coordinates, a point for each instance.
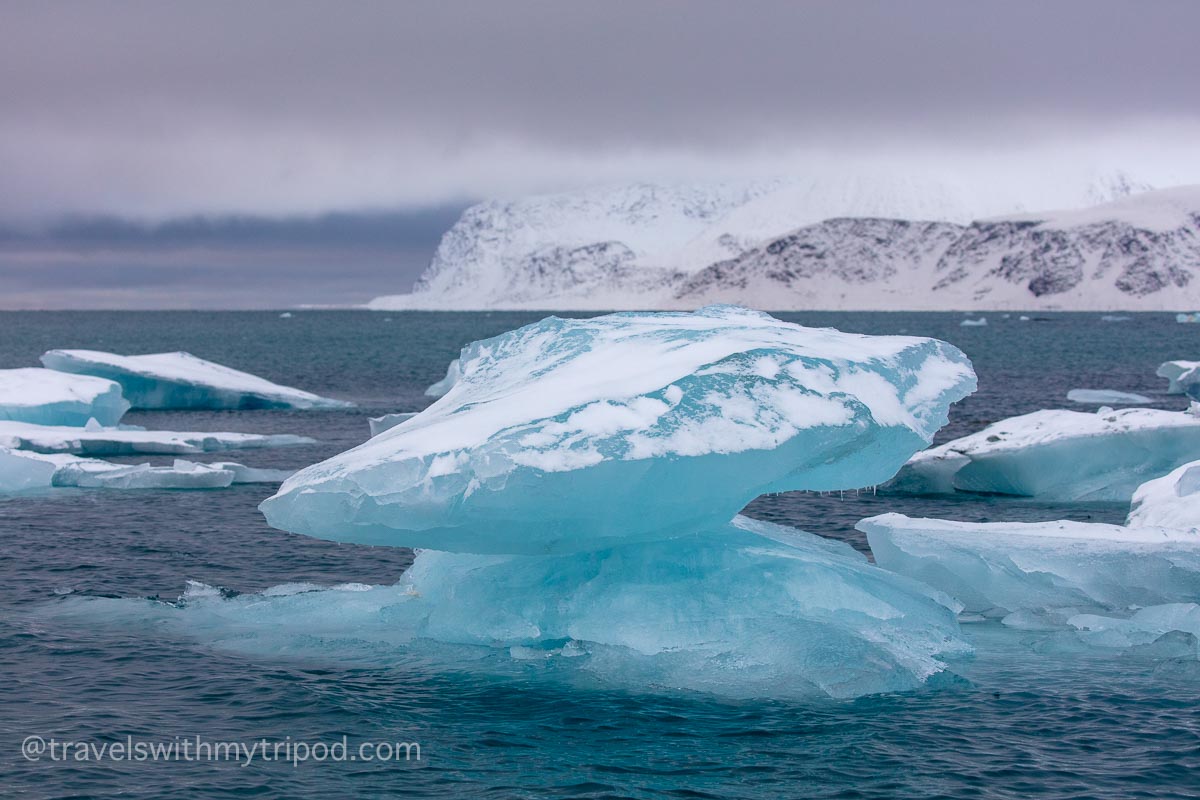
(750, 609)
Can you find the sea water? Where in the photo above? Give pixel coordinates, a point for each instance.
(1030, 716)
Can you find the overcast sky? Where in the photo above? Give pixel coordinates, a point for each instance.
(328, 144)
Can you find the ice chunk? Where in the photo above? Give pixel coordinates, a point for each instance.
(389, 421)
(1168, 630)
(47, 397)
(244, 474)
(746, 609)
(1010, 566)
(1179, 375)
(579, 434)
(1193, 317)
(1172, 501)
(181, 380)
(1059, 455)
(1103, 397)
(99, 441)
(974, 323)
(91, 473)
(21, 470)
(445, 384)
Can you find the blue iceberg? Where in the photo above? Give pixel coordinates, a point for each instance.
(181, 380)
(574, 490)
(47, 397)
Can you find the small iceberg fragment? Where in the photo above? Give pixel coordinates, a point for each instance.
(23, 471)
(998, 568)
(974, 323)
(1184, 317)
(1115, 318)
(1172, 501)
(1171, 630)
(1058, 455)
(47, 397)
(453, 373)
(1179, 375)
(1104, 397)
(578, 434)
(181, 380)
(95, 440)
(286, 315)
(389, 421)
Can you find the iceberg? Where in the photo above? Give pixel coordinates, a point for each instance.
(444, 385)
(578, 434)
(1059, 455)
(96, 440)
(389, 421)
(1185, 317)
(22, 471)
(974, 323)
(1000, 568)
(1104, 397)
(1172, 501)
(745, 609)
(571, 496)
(1179, 375)
(47, 397)
(181, 380)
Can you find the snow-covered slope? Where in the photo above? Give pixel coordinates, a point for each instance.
(883, 244)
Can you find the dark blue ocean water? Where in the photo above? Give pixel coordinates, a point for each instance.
(1027, 720)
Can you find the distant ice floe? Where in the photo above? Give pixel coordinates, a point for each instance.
(1102, 397)
(1040, 569)
(1059, 455)
(23, 471)
(97, 440)
(47, 397)
(181, 380)
(445, 384)
(1193, 317)
(974, 323)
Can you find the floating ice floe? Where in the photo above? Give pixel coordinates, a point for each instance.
(1179, 375)
(96, 440)
(582, 474)
(974, 323)
(1182, 317)
(181, 380)
(1172, 501)
(747, 608)
(47, 397)
(1059, 455)
(579, 434)
(1103, 397)
(1002, 568)
(21, 471)
(445, 384)
(389, 421)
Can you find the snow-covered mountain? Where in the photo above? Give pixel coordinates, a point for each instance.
(774, 245)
